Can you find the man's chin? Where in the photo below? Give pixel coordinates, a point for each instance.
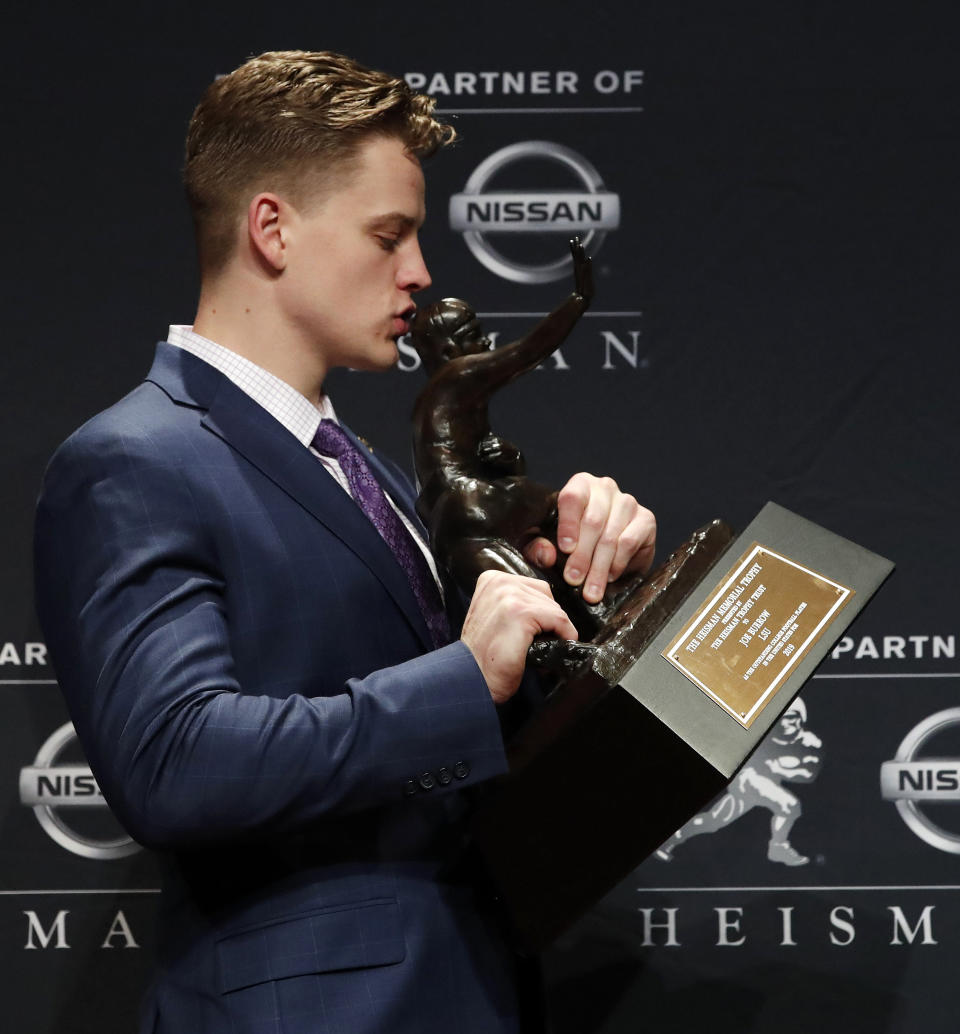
(390, 358)
(385, 358)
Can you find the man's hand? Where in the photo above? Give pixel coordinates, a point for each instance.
(506, 612)
(605, 532)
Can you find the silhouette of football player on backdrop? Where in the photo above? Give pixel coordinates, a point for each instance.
(789, 754)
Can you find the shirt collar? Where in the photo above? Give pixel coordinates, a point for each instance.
(283, 402)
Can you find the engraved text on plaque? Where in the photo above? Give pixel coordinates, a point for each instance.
(753, 630)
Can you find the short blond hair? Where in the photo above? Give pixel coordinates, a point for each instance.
(290, 120)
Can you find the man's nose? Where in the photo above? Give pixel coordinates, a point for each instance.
(413, 274)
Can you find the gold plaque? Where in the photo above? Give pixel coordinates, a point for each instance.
(759, 622)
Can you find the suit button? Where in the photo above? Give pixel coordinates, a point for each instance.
(444, 776)
(409, 788)
(427, 781)
(461, 770)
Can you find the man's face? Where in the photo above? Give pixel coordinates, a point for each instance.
(354, 261)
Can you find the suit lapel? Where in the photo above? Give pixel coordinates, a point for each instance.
(390, 482)
(249, 429)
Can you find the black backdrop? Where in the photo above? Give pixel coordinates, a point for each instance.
(773, 320)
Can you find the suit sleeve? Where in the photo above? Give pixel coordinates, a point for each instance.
(131, 601)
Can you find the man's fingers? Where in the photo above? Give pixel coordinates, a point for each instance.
(505, 614)
(605, 532)
(636, 545)
(610, 554)
(595, 548)
(626, 544)
(555, 620)
(571, 502)
(500, 583)
(540, 552)
(533, 604)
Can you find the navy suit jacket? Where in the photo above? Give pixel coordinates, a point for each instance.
(252, 681)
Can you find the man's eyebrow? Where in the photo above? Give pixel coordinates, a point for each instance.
(403, 218)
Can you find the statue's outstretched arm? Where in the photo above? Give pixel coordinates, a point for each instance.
(501, 365)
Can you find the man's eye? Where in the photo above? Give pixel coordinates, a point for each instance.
(388, 243)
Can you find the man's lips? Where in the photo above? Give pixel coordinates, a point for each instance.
(402, 321)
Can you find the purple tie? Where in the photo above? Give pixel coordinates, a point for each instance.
(330, 440)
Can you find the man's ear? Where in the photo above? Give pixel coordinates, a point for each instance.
(266, 215)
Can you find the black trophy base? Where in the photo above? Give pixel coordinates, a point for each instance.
(597, 782)
(629, 748)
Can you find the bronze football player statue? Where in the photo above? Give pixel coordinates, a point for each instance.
(479, 507)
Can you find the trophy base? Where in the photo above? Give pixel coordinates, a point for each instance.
(596, 781)
(681, 685)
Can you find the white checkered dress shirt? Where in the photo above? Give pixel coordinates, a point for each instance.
(284, 403)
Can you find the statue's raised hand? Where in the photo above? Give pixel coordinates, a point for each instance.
(582, 270)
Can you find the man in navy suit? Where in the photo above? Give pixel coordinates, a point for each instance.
(264, 690)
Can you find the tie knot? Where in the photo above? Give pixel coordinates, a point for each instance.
(330, 439)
